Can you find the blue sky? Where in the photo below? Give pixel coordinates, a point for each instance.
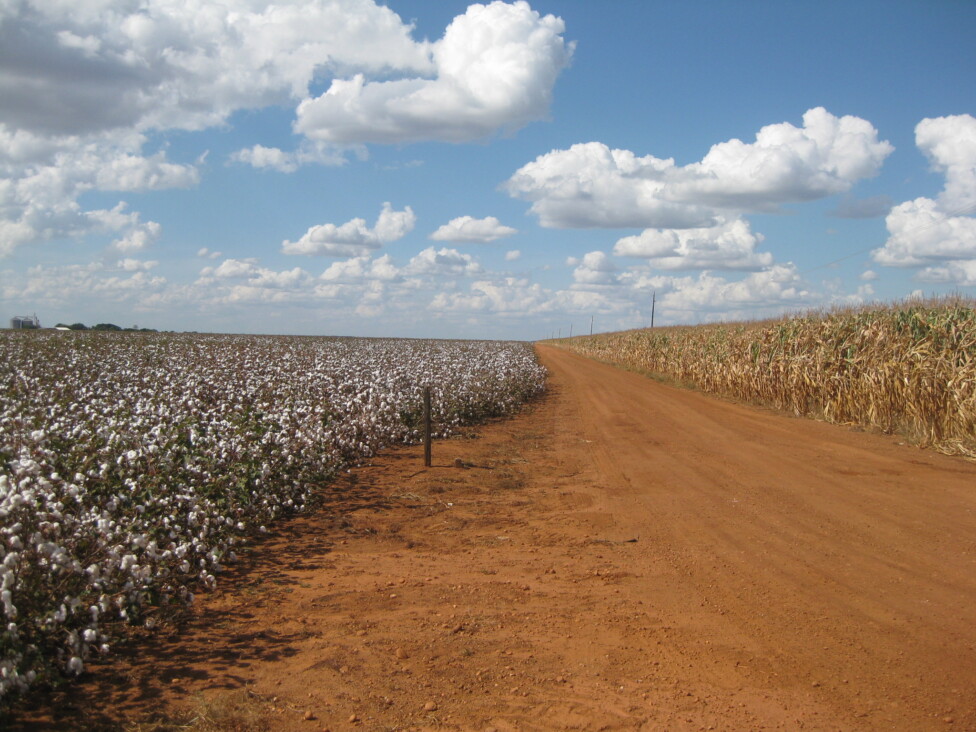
(508, 170)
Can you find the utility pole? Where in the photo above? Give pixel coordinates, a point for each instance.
(570, 330)
(653, 303)
(591, 325)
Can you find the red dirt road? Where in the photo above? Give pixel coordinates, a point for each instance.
(624, 555)
(803, 566)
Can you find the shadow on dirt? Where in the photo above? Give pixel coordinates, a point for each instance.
(159, 662)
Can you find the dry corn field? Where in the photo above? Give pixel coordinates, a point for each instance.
(908, 369)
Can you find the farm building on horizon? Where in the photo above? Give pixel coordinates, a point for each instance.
(20, 322)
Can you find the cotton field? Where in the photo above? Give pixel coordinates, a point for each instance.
(133, 464)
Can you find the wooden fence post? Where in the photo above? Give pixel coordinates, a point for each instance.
(427, 426)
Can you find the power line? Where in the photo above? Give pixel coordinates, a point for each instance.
(963, 211)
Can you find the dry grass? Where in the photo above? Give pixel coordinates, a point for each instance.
(908, 368)
(236, 711)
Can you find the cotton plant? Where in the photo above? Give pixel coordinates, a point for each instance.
(133, 465)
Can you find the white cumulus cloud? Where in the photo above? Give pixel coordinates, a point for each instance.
(494, 69)
(75, 68)
(470, 229)
(42, 178)
(920, 232)
(950, 144)
(254, 275)
(128, 172)
(273, 158)
(591, 185)
(442, 261)
(353, 238)
(84, 284)
(962, 273)
(728, 245)
(360, 269)
(596, 268)
(138, 238)
(770, 290)
(515, 297)
(136, 265)
(785, 164)
(939, 232)
(87, 85)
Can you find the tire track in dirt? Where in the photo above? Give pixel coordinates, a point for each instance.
(786, 574)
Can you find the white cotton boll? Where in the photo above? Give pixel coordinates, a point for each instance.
(75, 665)
(89, 635)
(303, 440)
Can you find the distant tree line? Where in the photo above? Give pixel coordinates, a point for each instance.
(105, 326)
